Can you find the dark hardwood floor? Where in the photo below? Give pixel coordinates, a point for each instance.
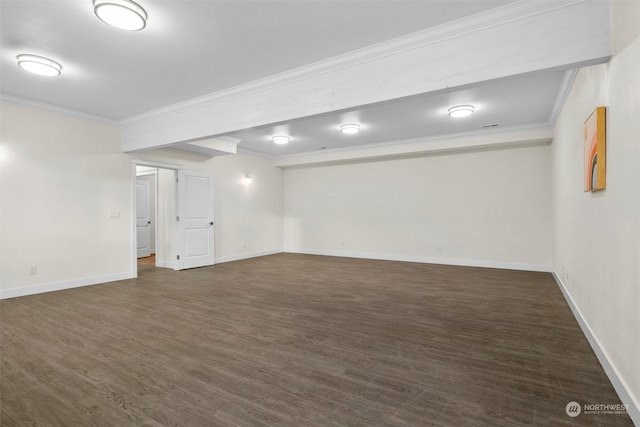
(301, 340)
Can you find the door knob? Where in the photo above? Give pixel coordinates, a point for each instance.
(211, 223)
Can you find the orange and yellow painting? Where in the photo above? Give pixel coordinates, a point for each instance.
(594, 151)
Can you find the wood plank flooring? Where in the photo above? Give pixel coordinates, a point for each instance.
(301, 340)
(151, 259)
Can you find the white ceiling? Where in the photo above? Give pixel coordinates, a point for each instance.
(194, 48)
(512, 103)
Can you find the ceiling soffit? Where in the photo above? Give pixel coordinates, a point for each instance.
(519, 38)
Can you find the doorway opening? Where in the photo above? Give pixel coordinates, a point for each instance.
(146, 213)
(172, 217)
(154, 211)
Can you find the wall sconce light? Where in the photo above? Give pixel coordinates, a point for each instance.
(247, 179)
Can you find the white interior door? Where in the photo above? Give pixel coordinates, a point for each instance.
(195, 232)
(143, 218)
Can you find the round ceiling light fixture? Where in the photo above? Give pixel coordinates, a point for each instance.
(123, 14)
(350, 128)
(39, 65)
(281, 139)
(461, 110)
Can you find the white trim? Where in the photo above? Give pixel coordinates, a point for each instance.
(161, 165)
(255, 153)
(428, 260)
(563, 92)
(154, 164)
(508, 137)
(432, 138)
(132, 230)
(230, 139)
(616, 380)
(462, 27)
(147, 173)
(28, 103)
(420, 146)
(67, 284)
(473, 135)
(395, 69)
(248, 255)
(164, 264)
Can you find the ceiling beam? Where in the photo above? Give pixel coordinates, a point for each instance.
(211, 147)
(519, 38)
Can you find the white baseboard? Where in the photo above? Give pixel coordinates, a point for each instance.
(88, 281)
(428, 260)
(59, 286)
(164, 264)
(247, 255)
(617, 382)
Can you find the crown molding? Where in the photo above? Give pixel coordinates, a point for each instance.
(23, 102)
(462, 27)
(471, 134)
(255, 153)
(538, 133)
(561, 97)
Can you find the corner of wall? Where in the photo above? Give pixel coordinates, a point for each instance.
(621, 387)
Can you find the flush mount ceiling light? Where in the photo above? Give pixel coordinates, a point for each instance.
(123, 14)
(461, 110)
(281, 139)
(350, 128)
(39, 65)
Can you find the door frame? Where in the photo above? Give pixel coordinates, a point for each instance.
(147, 185)
(159, 165)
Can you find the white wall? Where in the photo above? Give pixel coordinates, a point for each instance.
(248, 218)
(61, 177)
(489, 207)
(596, 246)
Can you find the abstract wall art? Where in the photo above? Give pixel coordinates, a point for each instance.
(595, 150)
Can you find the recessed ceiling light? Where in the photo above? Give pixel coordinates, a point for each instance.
(123, 14)
(39, 65)
(350, 128)
(461, 110)
(281, 139)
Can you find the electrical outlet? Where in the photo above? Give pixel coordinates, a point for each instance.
(33, 270)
